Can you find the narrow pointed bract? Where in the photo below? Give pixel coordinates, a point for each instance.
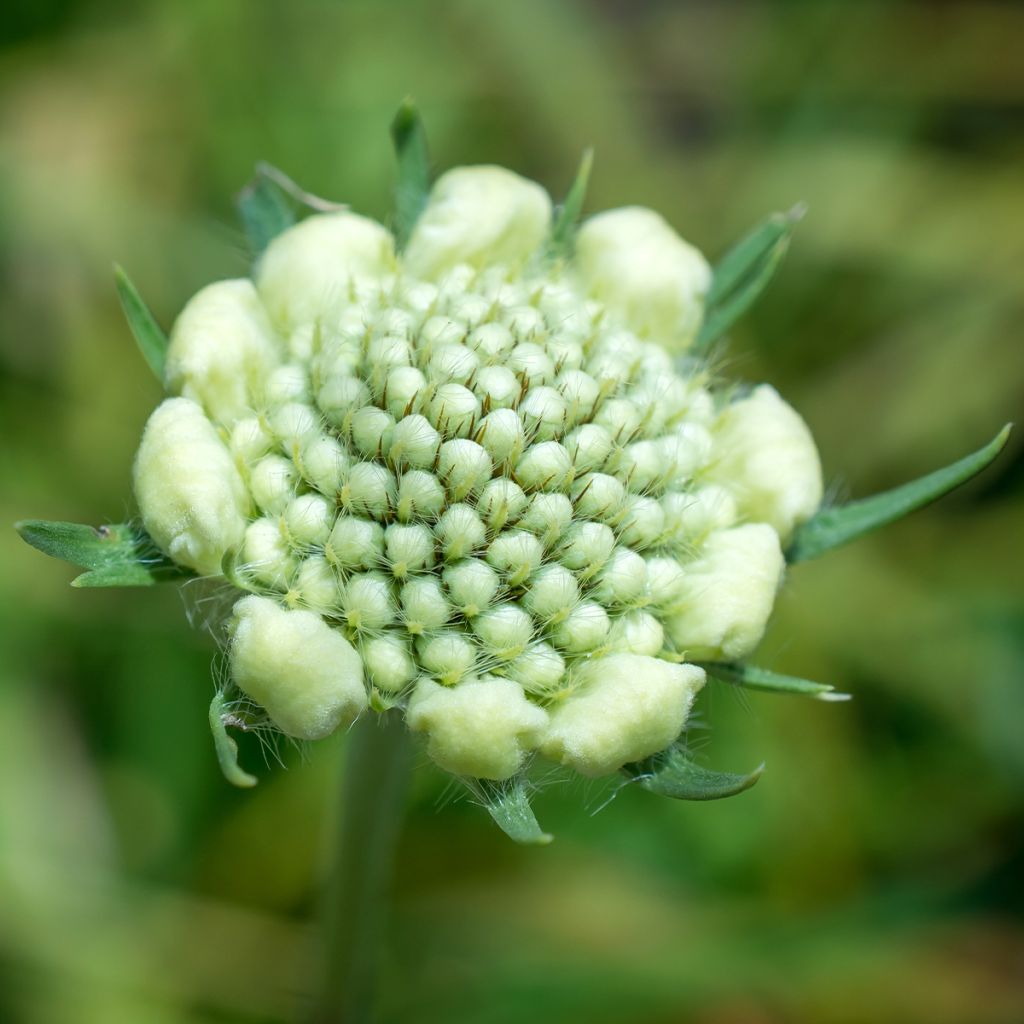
(567, 216)
(265, 208)
(509, 805)
(117, 555)
(675, 774)
(753, 678)
(744, 273)
(148, 334)
(413, 186)
(833, 527)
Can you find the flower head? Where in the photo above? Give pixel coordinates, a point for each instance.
(471, 479)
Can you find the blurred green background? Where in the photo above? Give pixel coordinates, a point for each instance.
(875, 873)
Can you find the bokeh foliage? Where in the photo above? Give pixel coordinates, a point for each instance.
(875, 872)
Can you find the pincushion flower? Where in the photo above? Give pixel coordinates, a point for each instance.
(477, 472)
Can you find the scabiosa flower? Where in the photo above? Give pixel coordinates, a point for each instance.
(481, 473)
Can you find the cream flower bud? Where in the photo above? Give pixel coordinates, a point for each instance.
(765, 455)
(307, 269)
(586, 547)
(448, 655)
(531, 363)
(622, 579)
(636, 632)
(727, 595)
(464, 466)
(293, 423)
(452, 362)
(306, 675)
(190, 494)
(482, 728)
(441, 331)
(420, 496)
(409, 548)
(249, 439)
(403, 391)
(424, 605)
(501, 434)
(324, 463)
(366, 601)
(369, 488)
(472, 585)
(501, 502)
(548, 516)
(690, 518)
(504, 630)
(625, 707)
(308, 520)
(478, 215)
(266, 554)
(497, 387)
(589, 446)
(272, 483)
(598, 496)
(222, 348)
(546, 466)
(638, 266)
(389, 662)
(544, 412)
(414, 442)
(553, 593)
(515, 554)
(454, 410)
(491, 340)
(315, 584)
(371, 429)
(583, 629)
(460, 531)
(355, 543)
(539, 670)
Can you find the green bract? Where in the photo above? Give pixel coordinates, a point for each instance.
(473, 469)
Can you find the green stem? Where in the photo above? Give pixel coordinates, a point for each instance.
(355, 898)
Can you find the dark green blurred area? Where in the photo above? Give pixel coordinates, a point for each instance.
(875, 873)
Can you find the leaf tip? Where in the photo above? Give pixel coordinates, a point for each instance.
(831, 696)
(796, 212)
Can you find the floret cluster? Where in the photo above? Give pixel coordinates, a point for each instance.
(475, 481)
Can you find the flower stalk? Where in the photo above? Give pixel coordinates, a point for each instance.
(354, 899)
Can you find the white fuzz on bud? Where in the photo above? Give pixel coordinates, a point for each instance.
(482, 728)
(623, 708)
(765, 455)
(191, 497)
(478, 215)
(723, 605)
(631, 260)
(307, 271)
(307, 676)
(222, 349)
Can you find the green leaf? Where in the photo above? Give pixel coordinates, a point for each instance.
(149, 335)
(672, 773)
(509, 806)
(753, 678)
(833, 527)
(119, 555)
(413, 186)
(266, 207)
(563, 230)
(744, 272)
(226, 747)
